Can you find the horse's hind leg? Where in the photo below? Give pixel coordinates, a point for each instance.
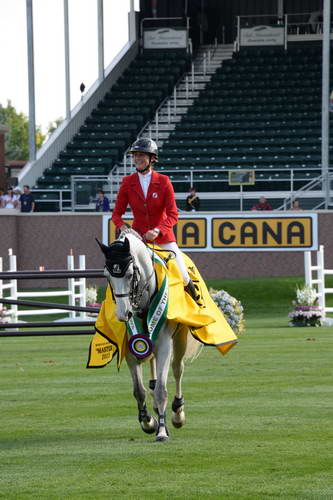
(148, 423)
(179, 348)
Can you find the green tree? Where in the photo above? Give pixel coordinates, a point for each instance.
(54, 125)
(17, 139)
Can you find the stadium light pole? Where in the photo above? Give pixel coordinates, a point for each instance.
(67, 63)
(31, 82)
(131, 23)
(325, 119)
(100, 31)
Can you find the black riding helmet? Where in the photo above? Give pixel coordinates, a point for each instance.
(145, 146)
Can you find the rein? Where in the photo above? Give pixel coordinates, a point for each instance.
(134, 294)
(119, 267)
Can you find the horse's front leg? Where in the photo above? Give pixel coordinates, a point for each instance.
(148, 422)
(179, 349)
(163, 356)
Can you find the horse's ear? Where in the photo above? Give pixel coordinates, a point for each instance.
(103, 247)
(126, 245)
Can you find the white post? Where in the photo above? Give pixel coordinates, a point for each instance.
(192, 72)
(307, 268)
(238, 33)
(321, 280)
(156, 126)
(71, 283)
(124, 163)
(204, 64)
(13, 267)
(186, 87)
(169, 118)
(174, 101)
(82, 282)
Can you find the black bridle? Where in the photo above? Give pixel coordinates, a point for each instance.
(117, 263)
(118, 259)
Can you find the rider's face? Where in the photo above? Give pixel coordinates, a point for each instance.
(141, 160)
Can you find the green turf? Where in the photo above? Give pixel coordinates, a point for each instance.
(259, 421)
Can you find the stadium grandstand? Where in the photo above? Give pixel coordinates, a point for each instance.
(232, 93)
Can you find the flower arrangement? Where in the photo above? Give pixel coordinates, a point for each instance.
(4, 315)
(91, 299)
(306, 310)
(231, 308)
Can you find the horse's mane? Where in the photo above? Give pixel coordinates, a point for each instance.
(129, 231)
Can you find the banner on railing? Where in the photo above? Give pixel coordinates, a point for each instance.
(239, 232)
(165, 38)
(262, 35)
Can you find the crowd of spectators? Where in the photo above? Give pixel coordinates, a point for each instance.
(15, 199)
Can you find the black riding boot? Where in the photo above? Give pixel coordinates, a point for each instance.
(191, 290)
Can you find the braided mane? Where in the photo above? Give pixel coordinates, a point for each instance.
(129, 230)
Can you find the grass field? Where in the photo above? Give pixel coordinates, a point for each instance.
(259, 421)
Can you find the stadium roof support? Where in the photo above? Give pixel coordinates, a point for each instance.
(67, 62)
(325, 123)
(100, 34)
(31, 82)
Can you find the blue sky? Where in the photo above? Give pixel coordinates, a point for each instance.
(49, 51)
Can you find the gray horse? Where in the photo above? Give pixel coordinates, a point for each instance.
(129, 269)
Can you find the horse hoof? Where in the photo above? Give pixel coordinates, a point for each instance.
(162, 439)
(178, 419)
(149, 427)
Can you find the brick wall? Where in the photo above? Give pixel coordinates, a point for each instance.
(46, 239)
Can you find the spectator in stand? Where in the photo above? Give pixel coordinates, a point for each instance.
(296, 205)
(27, 201)
(102, 202)
(10, 200)
(262, 204)
(192, 201)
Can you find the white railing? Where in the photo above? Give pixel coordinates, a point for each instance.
(76, 290)
(315, 277)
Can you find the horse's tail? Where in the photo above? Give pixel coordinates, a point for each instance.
(193, 348)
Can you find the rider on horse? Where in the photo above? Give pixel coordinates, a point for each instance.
(152, 200)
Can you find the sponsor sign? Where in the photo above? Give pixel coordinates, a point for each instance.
(242, 177)
(264, 231)
(262, 35)
(191, 232)
(165, 38)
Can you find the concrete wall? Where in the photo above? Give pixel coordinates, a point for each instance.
(46, 239)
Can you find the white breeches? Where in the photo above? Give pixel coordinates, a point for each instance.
(172, 245)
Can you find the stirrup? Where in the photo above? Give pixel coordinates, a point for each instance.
(192, 291)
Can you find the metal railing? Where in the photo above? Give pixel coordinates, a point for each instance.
(294, 24)
(64, 204)
(310, 186)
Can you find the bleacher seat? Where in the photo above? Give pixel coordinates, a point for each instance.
(118, 118)
(260, 110)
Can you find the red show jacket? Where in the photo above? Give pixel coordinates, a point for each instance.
(158, 210)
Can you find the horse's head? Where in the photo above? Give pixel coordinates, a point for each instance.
(119, 271)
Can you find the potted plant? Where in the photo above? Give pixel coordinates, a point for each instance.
(306, 311)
